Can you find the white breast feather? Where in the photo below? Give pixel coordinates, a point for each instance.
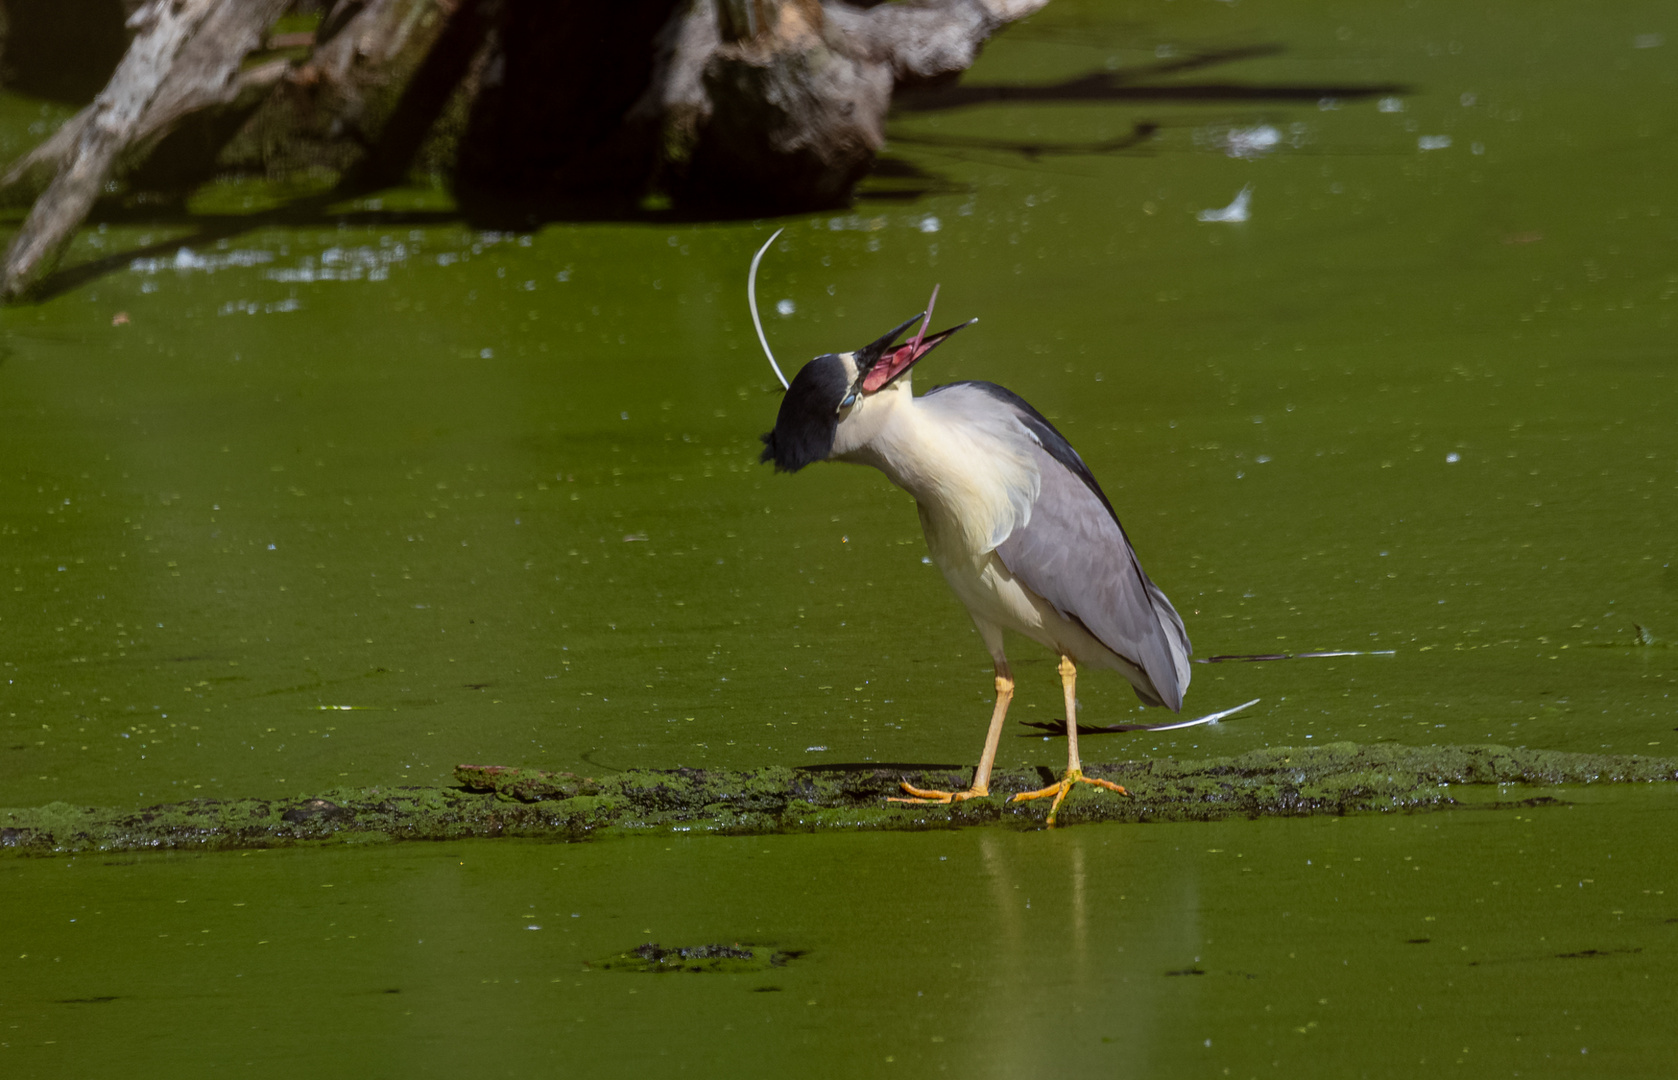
(969, 466)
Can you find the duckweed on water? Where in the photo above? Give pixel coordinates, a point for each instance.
(352, 496)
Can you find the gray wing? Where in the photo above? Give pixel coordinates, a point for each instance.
(1074, 553)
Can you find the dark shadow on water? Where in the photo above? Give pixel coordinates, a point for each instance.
(589, 757)
(1057, 729)
(315, 211)
(893, 179)
(211, 229)
(1125, 85)
(1034, 150)
(1131, 84)
(899, 180)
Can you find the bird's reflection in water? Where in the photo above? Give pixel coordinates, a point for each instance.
(1080, 928)
(1087, 928)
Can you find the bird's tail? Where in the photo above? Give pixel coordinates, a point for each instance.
(1173, 684)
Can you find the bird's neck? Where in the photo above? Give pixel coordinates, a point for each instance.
(974, 485)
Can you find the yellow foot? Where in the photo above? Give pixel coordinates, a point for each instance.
(1064, 785)
(933, 795)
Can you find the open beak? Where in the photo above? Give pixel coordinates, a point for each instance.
(888, 363)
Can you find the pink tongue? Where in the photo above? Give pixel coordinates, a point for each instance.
(891, 365)
(887, 368)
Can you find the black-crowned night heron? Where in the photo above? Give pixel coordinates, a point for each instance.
(1012, 516)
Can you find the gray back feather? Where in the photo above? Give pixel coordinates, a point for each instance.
(1074, 553)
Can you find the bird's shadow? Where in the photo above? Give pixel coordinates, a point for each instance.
(1057, 730)
(887, 766)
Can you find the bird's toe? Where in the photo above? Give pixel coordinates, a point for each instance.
(922, 795)
(1058, 788)
(1108, 784)
(934, 795)
(1061, 788)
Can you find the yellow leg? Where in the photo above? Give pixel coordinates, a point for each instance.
(1074, 767)
(1069, 688)
(981, 775)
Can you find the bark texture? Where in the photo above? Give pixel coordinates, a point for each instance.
(203, 74)
(185, 54)
(783, 104)
(797, 113)
(380, 74)
(530, 107)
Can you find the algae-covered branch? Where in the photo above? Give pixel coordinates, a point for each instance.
(495, 801)
(732, 105)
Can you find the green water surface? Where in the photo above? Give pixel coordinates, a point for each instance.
(1471, 944)
(348, 496)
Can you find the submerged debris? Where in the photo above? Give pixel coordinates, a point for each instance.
(316, 810)
(1644, 637)
(735, 959)
(1338, 778)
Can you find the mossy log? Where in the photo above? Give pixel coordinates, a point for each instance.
(1340, 778)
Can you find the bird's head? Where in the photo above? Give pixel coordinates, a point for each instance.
(834, 392)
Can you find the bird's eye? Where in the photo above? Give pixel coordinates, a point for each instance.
(850, 399)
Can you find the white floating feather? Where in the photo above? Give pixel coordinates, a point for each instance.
(1235, 213)
(751, 298)
(1210, 718)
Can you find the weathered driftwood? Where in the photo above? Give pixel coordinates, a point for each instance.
(784, 103)
(376, 80)
(358, 53)
(926, 41)
(162, 30)
(185, 53)
(1339, 778)
(775, 104)
(186, 63)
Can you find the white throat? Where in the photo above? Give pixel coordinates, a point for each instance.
(928, 448)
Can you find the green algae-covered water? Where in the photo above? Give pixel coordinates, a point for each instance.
(349, 496)
(1456, 944)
